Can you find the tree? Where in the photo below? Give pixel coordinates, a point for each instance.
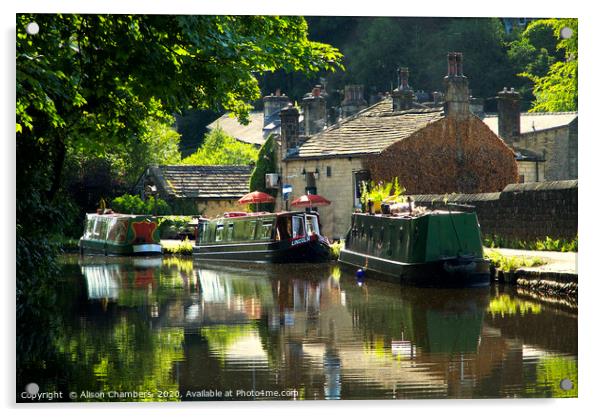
(266, 164)
(221, 149)
(556, 90)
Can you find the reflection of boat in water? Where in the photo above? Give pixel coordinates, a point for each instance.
(120, 234)
(433, 248)
(102, 281)
(262, 237)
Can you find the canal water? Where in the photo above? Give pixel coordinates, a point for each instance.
(171, 329)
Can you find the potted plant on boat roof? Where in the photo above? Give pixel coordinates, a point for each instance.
(377, 193)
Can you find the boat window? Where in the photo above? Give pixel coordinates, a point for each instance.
(284, 227)
(250, 227)
(240, 231)
(219, 233)
(298, 229)
(230, 231)
(96, 232)
(311, 225)
(89, 228)
(266, 231)
(202, 231)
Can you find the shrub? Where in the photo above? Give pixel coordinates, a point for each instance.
(133, 204)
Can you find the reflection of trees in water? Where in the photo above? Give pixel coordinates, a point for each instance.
(170, 327)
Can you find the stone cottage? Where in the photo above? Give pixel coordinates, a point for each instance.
(546, 143)
(211, 190)
(430, 150)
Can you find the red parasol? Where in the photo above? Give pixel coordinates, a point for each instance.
(256, 197)
(310, 200)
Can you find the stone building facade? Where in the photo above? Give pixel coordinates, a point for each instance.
(430, 150)
(546, 143)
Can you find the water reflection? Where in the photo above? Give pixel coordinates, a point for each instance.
(304, 331)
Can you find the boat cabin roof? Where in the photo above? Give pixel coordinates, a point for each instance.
(261, 214)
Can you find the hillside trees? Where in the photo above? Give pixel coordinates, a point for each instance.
(550, 62)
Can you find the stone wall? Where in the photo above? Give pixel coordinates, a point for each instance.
(558, 147)
(216, 208)
(521, 211)
(338, 187)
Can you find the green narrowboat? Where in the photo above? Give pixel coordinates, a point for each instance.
(120, 234)
(262, 237)
(430, 248)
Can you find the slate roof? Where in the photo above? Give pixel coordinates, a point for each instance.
(198, 181)
(251, 133)
(368, 131)
(533, 122)
(255, 132)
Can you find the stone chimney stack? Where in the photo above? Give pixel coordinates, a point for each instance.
(315, 116)
(272, 105)
(457, 96)
(353, 101)
(289, 130)
(508, 108)
(403, 95)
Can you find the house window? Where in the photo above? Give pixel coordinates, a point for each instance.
(328, 172)
(310, 180)
(521, 179)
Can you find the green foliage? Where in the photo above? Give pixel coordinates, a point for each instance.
(556, 89)
(266, 163)
(220, 149)
(548, 244)
(171, 227)
(381, 191)
(183, 247)
(335, 249)
(512, 263)
(133, 204)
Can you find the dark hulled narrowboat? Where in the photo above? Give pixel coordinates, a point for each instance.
(262, 237)
(430, 248)
(120, 234)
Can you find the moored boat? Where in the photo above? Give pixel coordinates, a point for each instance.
(120, 234)
(430, 248)
(262, 237)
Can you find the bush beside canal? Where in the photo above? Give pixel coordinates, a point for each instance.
(548, 244)
(512, 263)
(335, 249)
(177, 247)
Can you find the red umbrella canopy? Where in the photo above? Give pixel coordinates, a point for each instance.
(310, 200)
(256, 197)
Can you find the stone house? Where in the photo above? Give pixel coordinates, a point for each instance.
(210, 190)
(546, 143)
(431, 150)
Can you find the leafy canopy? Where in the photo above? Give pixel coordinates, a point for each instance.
(556, 88)
(107, 73)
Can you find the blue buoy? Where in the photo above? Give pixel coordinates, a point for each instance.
(360, 273)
